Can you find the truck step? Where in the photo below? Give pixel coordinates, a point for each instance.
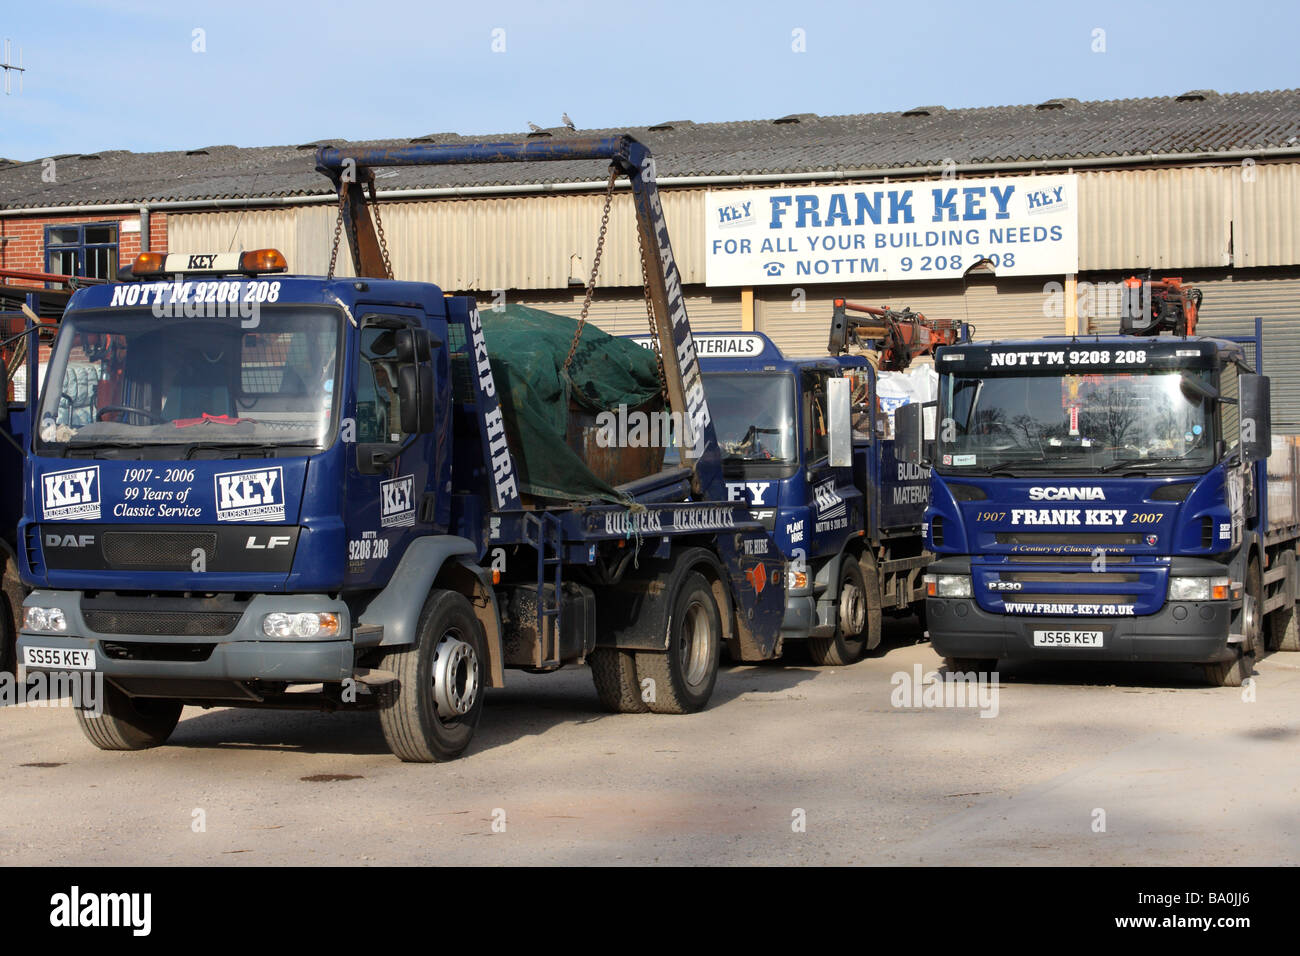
(373, 677)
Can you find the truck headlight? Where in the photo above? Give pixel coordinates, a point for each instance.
(948, 585)
(1198, 589)
(300, 624)
(47, 619)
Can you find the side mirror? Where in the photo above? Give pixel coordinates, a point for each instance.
(908, 433)
(839, 412)
(1256, 417)
(415, 391)
(414, 349)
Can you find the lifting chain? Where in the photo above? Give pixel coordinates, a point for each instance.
(338, 230)
(379, 228)
(595, 267)
(650, 318)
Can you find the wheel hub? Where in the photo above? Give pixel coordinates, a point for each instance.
(455, 677)
(1250, 627)
(695, 643)
(853, 611)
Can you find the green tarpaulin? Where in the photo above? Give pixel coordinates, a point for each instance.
(527, 348)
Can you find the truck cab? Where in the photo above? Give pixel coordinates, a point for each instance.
(1103, 498)
(848, 524)
(220, 465)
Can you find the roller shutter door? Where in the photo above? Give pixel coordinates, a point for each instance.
(1001, 309)
(1229, 308)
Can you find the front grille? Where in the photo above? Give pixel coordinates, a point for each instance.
(1069, 559)
(1207, 533)
(1052, 598)
(33, 539)
(936, 530)
(127, 651)
(1104, 539)
(1068, 577)
(157, 550)
(179, 623)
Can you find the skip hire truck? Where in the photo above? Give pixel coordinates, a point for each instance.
(296, 491)
(1105, 498)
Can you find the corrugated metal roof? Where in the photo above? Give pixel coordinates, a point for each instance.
(990, 135)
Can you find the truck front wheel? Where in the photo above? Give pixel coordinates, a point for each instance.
(1231, 673)
(682, 679)
(849, 641)
(430, 712)
(129, 723)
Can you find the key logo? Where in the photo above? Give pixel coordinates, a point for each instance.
(397, 502)
(250, 495)
(67, 495)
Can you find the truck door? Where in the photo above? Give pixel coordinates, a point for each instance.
(383, 497)
(836, 503)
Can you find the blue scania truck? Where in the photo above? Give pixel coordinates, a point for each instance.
(1106, 498)
(257, 489)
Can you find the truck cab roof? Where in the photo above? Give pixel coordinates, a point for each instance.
(287, 289)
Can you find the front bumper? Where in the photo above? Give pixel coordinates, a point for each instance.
(244, 654)
(1182, 631)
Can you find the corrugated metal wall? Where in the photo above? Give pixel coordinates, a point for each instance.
(619, 313)
(1173, 220)
(523, 242)
(1184, 218)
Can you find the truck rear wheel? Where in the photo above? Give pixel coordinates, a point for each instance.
(849, 643)
(684, 676)
(613, 671)
(1232, 673)
(430, 712)
(129, 723)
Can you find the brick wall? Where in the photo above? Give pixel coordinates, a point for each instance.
(25, 245)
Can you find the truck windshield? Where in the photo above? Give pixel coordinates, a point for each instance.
(127, 378)
(753, 415)
(1090, 422)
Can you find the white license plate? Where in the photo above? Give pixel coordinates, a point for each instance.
(1068, 638)
(60, 658)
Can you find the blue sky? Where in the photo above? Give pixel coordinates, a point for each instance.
(124, 75)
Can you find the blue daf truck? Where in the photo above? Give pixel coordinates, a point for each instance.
(1105, 498)
(25, 314)
(264, 490)
(850, 530)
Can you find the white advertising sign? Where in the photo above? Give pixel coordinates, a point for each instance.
(935, 229)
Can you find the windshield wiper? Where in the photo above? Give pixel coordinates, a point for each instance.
(268, 449)
(1010, 462)
(1135, 462)
(100, 443)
